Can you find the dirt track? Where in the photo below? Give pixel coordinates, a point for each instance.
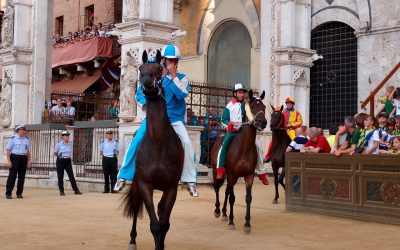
(43, 220)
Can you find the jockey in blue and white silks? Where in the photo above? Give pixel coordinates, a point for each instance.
(176, 89)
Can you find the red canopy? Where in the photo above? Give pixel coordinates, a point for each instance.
(82, 51)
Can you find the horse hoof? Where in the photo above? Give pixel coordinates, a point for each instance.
(224, 218)
(132, 247)
(247, 229)
(275, 202)
(217, 215)
(231, 227)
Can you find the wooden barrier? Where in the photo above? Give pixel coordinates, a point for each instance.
(365, 187)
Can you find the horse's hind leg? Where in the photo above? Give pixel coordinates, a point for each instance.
(167, 203)
(147, 196)
(281, 177)
(231, 225)
(217, 186)
(276, 183)
(249, 184)
(224, 215)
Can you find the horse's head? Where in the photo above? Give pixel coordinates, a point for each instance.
(277, 118)
(257, 109)
(151, 74)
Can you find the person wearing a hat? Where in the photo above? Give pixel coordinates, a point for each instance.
(63, 151)
(18, 160)
(232, 118)
(109, 152)
(176, 88)
(293, 120)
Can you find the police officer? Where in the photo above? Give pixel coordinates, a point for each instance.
(63, 151)
(109, 152)
(18, 159)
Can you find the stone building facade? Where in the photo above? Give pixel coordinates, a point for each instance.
(75, 13)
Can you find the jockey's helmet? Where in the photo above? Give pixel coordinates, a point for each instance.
(171, 51)
(239, 86)
(290, 99)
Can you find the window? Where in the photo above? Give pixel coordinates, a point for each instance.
(59, 25)
(89, 14)
(334, 78)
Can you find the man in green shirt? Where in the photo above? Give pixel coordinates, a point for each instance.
(352, 138)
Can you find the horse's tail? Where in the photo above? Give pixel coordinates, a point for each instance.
(132, 201)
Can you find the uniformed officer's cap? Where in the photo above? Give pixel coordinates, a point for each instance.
(65, 132)
(109, 132)
(20, 127)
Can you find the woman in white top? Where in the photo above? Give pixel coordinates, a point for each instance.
(371, 136)
(396, 104)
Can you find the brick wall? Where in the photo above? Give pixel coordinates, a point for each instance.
(105, 11)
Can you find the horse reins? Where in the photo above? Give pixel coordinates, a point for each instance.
(254, 122)
(281, 122)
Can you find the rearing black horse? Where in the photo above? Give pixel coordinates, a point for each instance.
(280, 141)
(159, 161)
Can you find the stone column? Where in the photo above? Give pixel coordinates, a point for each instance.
(26, 58)
(293, 55)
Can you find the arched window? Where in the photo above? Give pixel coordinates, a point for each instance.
(334, 78)
(229, 54)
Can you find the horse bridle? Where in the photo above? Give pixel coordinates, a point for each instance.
(281, 123)
(254, 122)
(156, 84)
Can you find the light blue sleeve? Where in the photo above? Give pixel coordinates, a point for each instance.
(57, 148)
(180, 88)
(101, 146)
(10, 144)
(140, 99)
(28, 146)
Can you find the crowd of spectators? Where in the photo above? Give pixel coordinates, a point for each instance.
(98, 30)
(361, 134)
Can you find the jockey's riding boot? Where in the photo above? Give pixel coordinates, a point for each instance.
(192, 188)
(263, 178)
(266, 160)
(220, 173)
(119, 185)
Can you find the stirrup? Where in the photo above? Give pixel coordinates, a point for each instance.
(119, 185)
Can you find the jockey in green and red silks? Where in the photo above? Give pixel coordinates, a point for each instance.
(232, 119)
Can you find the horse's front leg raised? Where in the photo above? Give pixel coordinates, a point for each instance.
(249, 184)
(167, 203)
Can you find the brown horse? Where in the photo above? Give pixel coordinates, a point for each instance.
(159, 161)
(241, 161)
(280, 142)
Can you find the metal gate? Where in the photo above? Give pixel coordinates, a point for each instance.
(87, 139)
(334, 78)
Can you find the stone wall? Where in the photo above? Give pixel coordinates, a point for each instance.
(105, 11)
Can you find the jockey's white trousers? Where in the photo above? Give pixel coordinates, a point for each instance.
(260, 168)
(189, 173)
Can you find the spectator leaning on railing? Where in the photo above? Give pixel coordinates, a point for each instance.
(317, 142)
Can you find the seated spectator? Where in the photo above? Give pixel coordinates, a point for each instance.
(394, 147)
(396, 126)
(191, 119)
(353, 127)
(332, 135)
(370, 138)
(299, 141)
(114, 110)
(388, 99)
(317, 143)
(58, 109)
(384, 136)
(396, 104)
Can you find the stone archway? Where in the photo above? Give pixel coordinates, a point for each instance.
(229, 54)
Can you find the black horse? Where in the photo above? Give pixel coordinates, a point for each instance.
(159, 161)
(280, 142)
(241, 161)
